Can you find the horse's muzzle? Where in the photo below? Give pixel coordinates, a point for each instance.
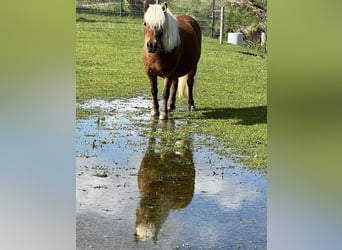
(152, 47)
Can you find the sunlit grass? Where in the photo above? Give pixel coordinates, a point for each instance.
(231, 91)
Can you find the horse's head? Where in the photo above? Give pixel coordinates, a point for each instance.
(160, 28)
(154, 20)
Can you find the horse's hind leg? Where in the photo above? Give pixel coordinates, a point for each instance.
(191, 83)
(171, 104)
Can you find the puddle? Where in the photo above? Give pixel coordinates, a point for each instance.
(138, 190)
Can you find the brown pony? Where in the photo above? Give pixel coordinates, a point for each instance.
(172, 50)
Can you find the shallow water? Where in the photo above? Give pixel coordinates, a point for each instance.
(136, 190)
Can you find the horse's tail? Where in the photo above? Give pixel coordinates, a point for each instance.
(183, 91)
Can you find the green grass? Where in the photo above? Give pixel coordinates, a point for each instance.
(231, 90)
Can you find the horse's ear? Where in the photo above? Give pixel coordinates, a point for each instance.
(146, 5)
(164, 7)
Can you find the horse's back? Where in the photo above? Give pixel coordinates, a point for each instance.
(189, 25)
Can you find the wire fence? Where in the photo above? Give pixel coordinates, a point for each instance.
(239, 17)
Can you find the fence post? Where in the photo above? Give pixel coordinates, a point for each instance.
(121, 7)
(212, 17)
(222, 25)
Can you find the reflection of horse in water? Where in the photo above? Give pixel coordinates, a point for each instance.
(166, 181)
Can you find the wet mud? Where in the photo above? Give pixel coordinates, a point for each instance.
(136, 189)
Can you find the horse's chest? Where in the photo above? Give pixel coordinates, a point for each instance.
(159, 67)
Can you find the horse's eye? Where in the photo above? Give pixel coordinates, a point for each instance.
(144, 23)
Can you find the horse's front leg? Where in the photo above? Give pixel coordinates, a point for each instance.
(154, 92)
(166, 94)
(171, 105)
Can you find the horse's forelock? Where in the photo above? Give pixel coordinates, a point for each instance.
(155, 16)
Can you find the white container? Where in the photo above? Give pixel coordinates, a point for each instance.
(235, 38)
(263, 39)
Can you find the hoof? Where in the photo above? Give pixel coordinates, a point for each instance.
(163, 116)
(192, 108)
(154, 114)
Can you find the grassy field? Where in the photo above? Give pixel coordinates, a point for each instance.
(231, 90)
